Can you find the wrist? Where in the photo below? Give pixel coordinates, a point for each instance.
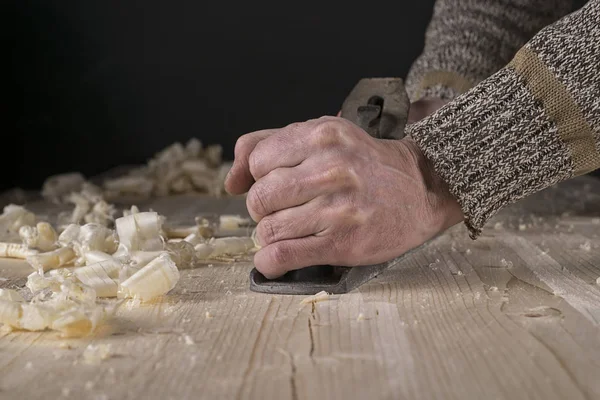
(444, 209)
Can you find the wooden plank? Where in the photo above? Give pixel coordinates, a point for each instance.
(582, 295)
(460, 319)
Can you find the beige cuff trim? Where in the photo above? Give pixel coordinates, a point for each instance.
(448, 79)
(562, 109)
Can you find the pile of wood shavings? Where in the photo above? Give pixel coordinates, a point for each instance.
(174, 170)
(78, 267)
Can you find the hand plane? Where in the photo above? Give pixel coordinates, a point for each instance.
(380, 107)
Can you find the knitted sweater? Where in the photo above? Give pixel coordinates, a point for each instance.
(524, 114)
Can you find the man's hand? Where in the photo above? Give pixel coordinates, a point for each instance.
(325, 192)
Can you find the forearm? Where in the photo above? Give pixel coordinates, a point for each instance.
(530, 125)
(467, 41)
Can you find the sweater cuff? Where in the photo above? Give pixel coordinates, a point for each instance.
(493, 145)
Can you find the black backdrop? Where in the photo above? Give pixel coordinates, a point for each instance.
(94, 84)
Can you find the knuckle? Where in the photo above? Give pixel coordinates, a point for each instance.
(338, 172)
(254, 161)
(277, 176)
(332, 175)
(327, 133)
(330, 125)
(294, 127)
(327, 118)
(256, 201)
(347, 211)
(341, 174)
(281, 254)
(242, 145)
(266, 231)
(350, 178)
(263, 155)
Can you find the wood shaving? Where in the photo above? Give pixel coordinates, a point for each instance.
(14, 217)
(42, 237)
(222, 247)
(321, 296)
(90, 207)
(15, 250)
(234, 222)
(188, 340)
(155, 279)
(11, 295)
(59, 303)
(58, 258)
(94, 354)
(140, 231)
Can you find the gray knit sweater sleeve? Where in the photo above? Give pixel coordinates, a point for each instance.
(469, 40)
(533, 123)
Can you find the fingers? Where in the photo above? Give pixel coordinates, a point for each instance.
(254, 159)
(280, 189)
(290, 187)
(286, 149)
(292, 223)
(294, 144)
(280, 257)
(240, 179)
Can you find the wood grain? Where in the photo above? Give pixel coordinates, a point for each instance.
(512, 315)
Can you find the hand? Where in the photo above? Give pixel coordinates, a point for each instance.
(325, 192)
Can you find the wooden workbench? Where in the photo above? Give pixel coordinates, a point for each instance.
(513, 315)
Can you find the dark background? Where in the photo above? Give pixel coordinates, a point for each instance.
(96, 84)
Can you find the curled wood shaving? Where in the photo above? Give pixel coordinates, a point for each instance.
(321, 296)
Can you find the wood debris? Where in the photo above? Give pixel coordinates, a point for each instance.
(321, 296)
(57, 186)
(11, 295)
(90, 207)
(158, 277)
(188, 340)
(15, 250)
(91, 256)
(12, 219)
(174, 170)
(42, 237)
(94, 354)
(227, 246)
